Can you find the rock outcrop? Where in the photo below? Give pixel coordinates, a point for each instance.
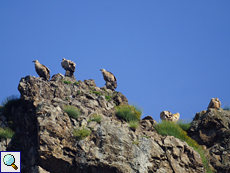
(212, 129)
(44, 133)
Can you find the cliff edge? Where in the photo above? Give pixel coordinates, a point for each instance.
(46, 135)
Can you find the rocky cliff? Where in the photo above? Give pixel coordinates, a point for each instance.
(44, 133)
(211, 128)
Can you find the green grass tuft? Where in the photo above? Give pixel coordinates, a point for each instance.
(226, 107)
(96, 118)
(81, 133)
(66, 82)
(8, 104)
(170, 128)
(108, 98)
(136, 142)
(72, 111)
(76, 83)
(128, 112)
(103, 89)
(144, 136)
(185, 125)
(133, 124)
(6, 133)
(96, 93)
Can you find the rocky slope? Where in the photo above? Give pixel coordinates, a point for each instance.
(44, 133)
(212, 129)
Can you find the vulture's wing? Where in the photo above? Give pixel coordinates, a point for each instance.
(46, 68)
(113, 75)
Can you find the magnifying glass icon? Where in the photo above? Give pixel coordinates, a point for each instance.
(9, 160)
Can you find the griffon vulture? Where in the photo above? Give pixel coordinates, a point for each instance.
(109, 77)
(167, 115)
(42, 70)
(214, 103)
(68, 65)
(176, 117)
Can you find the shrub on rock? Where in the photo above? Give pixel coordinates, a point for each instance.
(170, 128)
(81, 133)
(72, 111)
(129, 112)
(8, 104)
(6, 133)
(133, 124)
(96, 118)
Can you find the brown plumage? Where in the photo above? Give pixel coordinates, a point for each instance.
(168, 116)
(109, 77)
(68, 65)
(214, 103)
(42, 70)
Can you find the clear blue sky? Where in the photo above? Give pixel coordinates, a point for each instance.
(166, 55)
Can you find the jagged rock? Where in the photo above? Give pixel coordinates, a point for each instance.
(38, 169)
(4, 144)
(199, 115)
(44, 133)
(149, 118)
(57, 77)
(120, 99)
(111, 85)
(102, 101)
(147, 124)
(211, 128)
(90, 82)
(70, 75)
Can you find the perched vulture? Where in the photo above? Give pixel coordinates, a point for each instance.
(109, 77)
(168, 116)
(214, 103)
(42, 70)
(68, 65)
(176, 117)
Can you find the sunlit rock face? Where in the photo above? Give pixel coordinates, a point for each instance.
(45, 137)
